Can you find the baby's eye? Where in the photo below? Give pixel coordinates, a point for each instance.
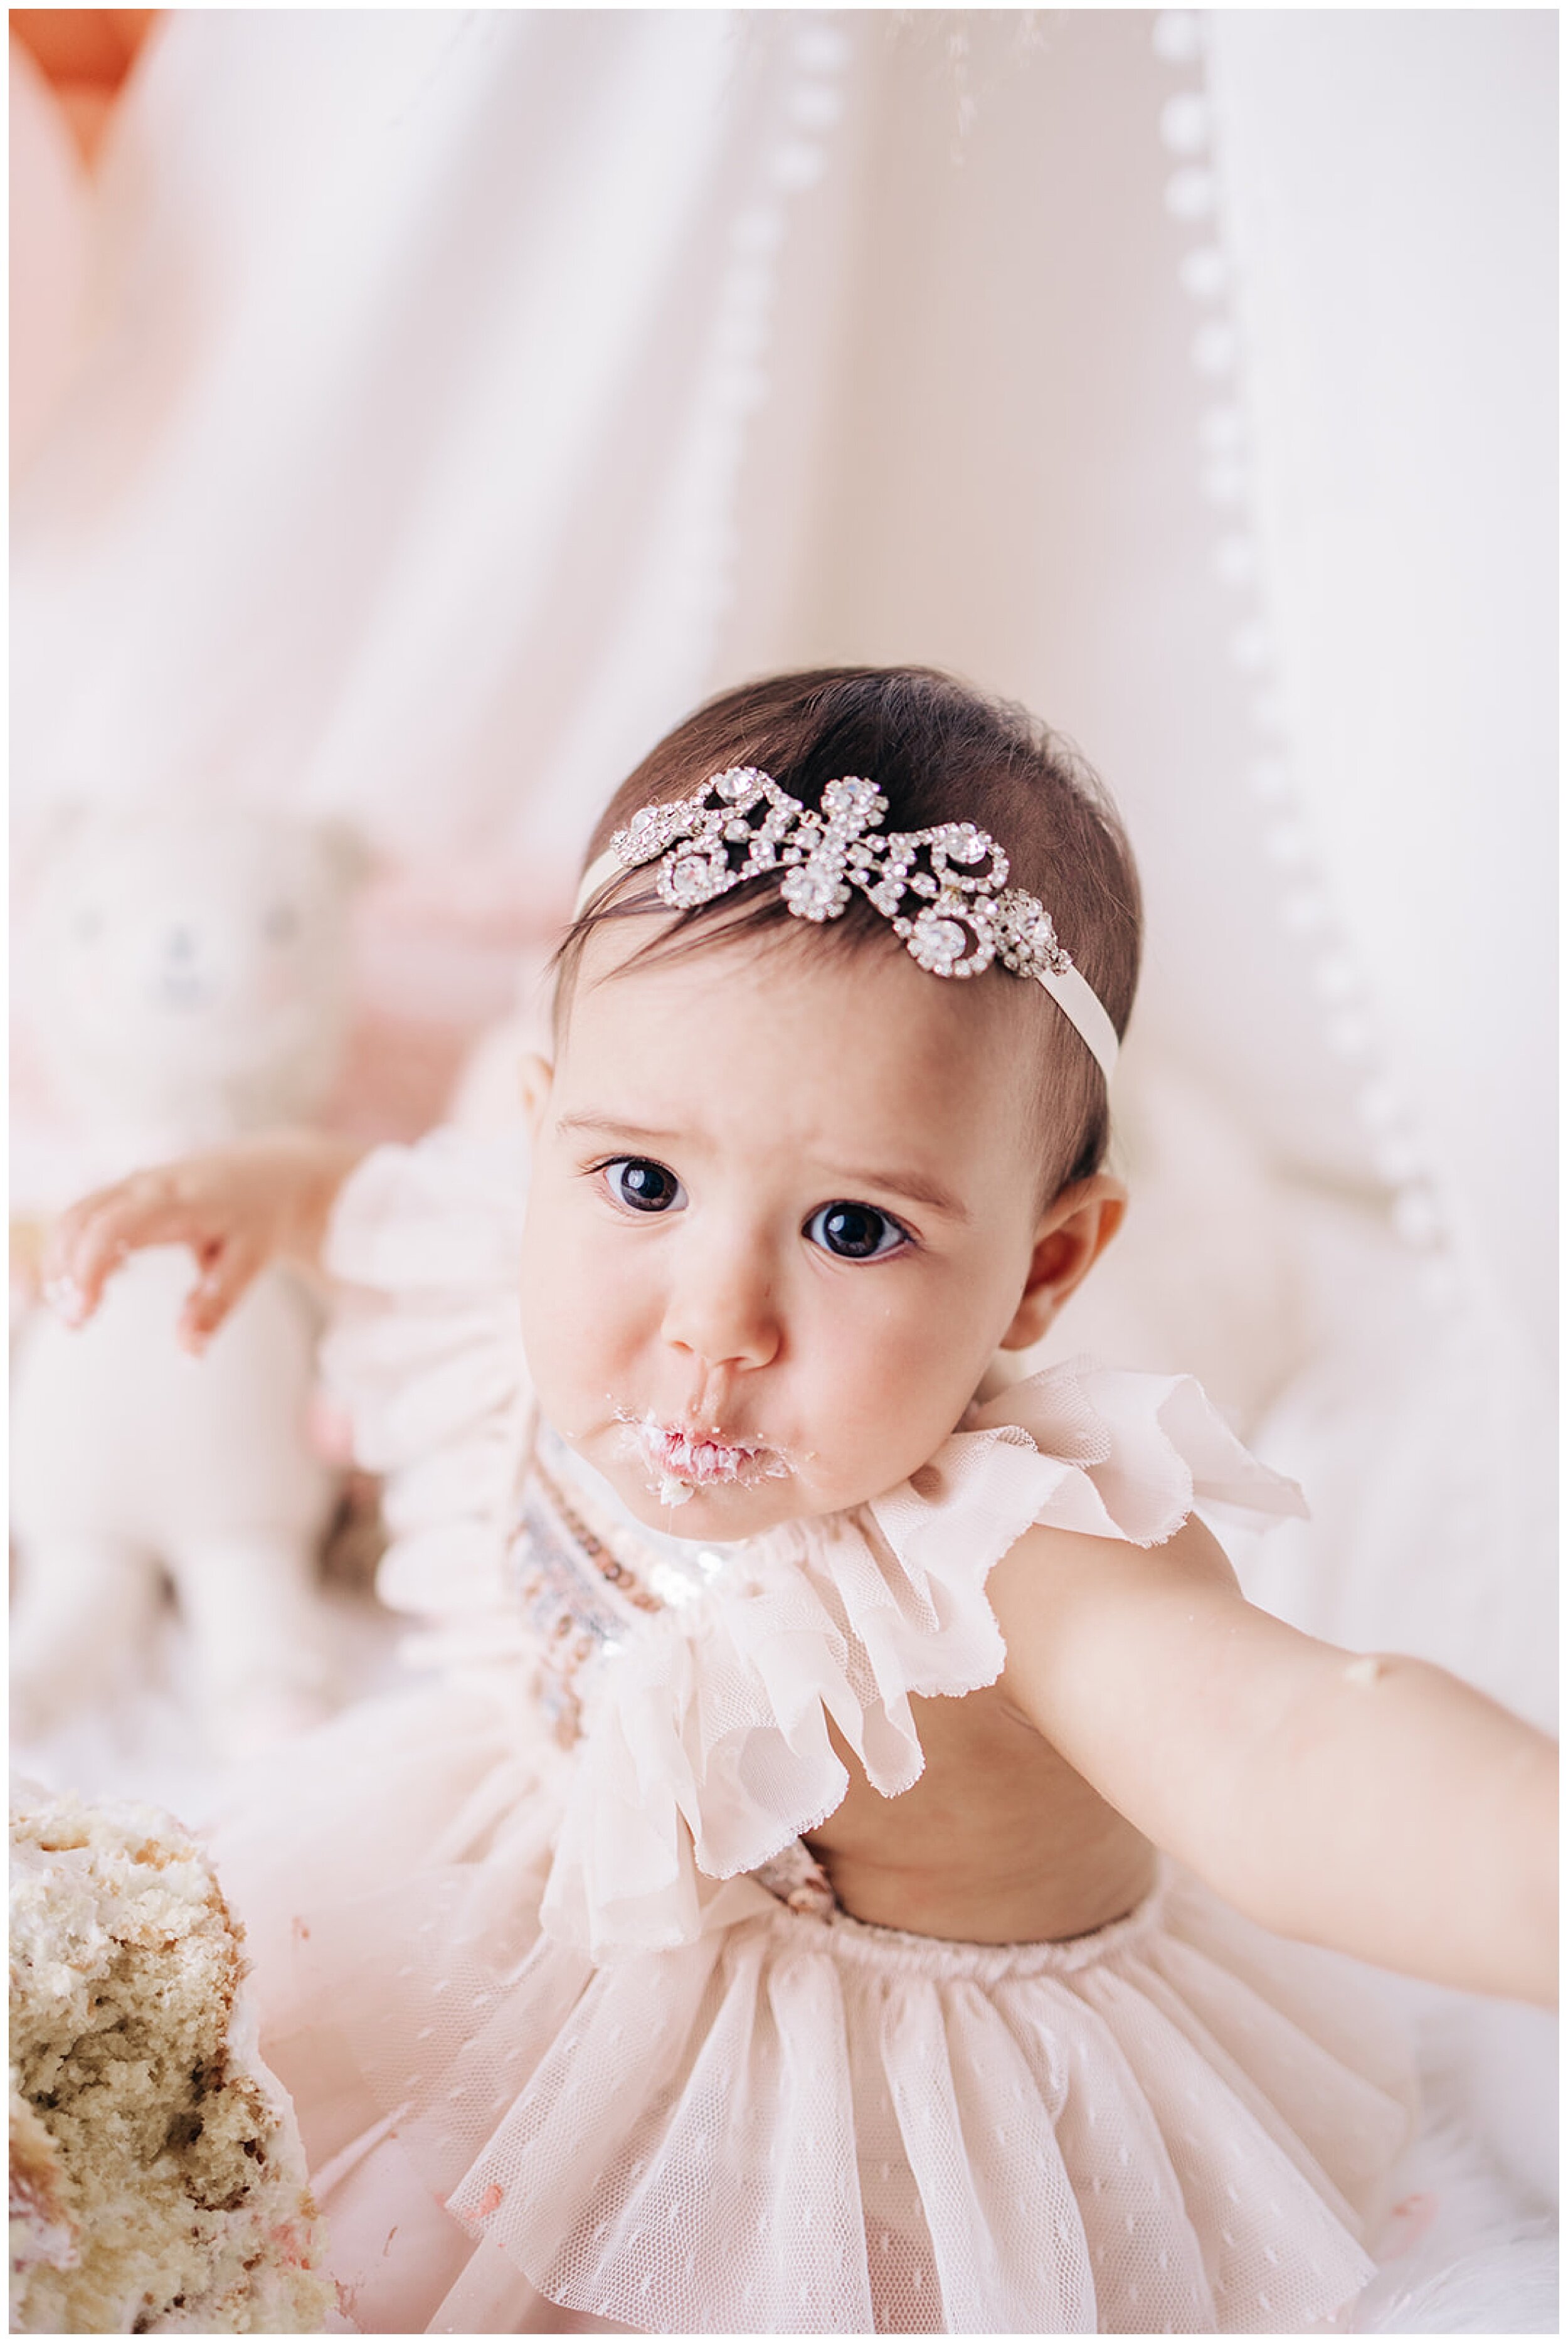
(855, 1232)
(645, 1187)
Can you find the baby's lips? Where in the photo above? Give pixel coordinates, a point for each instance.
(703, 1459)
(683, 1458)
(716, 1460)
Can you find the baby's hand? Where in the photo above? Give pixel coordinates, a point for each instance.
(237, 1207)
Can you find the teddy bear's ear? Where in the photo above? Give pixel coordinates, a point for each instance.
(345, 852)
(54, 829)
(43, 839)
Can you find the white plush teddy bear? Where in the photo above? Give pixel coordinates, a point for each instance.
(189, 981)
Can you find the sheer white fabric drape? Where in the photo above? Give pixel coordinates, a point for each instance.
(396, 479)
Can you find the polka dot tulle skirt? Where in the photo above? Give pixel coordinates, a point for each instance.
(797, 2123)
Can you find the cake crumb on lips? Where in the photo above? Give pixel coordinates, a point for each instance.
(682, 1459)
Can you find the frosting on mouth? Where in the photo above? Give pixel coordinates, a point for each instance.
(682, 1459)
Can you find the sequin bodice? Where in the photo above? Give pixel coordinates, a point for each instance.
(587, 1576)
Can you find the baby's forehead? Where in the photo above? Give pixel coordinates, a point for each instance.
(792, 1018)
(690, 967)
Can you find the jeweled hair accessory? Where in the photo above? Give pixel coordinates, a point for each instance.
(943, 890)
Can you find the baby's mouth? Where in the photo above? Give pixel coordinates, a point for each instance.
(682, 1459)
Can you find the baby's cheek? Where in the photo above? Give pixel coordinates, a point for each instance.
(925, 1378)
(881, 1409)
(545, 1308)
(574, 1325)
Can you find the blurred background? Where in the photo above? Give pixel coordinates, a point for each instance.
(413, 413)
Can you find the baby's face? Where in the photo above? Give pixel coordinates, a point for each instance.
(783, 1209)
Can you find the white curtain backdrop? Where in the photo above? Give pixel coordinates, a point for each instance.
(396, 479)
(423, 409)
(1392, 193)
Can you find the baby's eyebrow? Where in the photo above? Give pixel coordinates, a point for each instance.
(610, 1126)
(914, 1188)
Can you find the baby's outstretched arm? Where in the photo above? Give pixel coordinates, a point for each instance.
(237, 1207)
(1376, 1804)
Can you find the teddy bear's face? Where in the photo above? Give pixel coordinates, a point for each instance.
(181, 954)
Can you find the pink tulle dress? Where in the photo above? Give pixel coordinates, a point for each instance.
(577, 2035)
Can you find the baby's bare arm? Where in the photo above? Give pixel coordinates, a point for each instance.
(1376, 1804)
(237, 1207)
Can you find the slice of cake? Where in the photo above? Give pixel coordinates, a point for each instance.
(158, 2182)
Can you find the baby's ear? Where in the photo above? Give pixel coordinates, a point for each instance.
(535, 1077)
(1073, 1232)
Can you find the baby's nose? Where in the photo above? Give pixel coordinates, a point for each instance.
(721, 1310)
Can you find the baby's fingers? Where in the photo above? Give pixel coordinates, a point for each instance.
(224, 1275)
(91, 1240)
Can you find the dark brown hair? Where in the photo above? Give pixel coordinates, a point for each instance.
(938, 751)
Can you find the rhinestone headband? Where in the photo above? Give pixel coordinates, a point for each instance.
(943, 892)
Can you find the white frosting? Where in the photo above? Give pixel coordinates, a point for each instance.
(72, 1907)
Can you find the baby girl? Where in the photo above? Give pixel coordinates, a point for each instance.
(833, 1877)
